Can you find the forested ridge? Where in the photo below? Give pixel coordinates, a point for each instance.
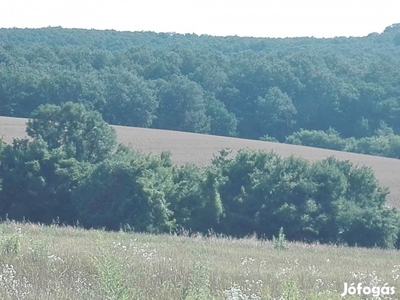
(340, 93)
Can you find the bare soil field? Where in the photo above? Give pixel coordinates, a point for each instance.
(200, 148)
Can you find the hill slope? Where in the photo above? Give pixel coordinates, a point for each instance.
(199, 149)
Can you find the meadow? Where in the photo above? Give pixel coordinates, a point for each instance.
(59, 262)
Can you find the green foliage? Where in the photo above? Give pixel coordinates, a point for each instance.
(199, 288)
(111, 274)
(268, 138)
(46, 178)
(181, 106)
(275, 113)
(39, 175)
(384, 143)
(223, 122)
(290, 290)
(10, 244)
(317, 138)
(37, 182)
(127, 189)
(195, 200)
(368, 227)
(131, 100)
(280, 241)
(263, 192)
(317, 92)
(80, 133)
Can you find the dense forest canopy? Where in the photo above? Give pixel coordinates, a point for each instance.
(341, 93)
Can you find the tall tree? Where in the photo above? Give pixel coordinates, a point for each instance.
(127, 189)
(36, 182)
(182, 106)
(82, 134)
(131, 101)
(275, 114)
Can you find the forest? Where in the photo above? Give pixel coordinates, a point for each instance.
(339, 93)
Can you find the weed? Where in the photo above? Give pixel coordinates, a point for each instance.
(290, 291)
(199, 288)
(280, 242)
(111, 274)
(11, 244)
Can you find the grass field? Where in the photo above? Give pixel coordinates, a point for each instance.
(199, 149)
(50, 262)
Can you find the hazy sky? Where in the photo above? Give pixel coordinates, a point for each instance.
(268, 18)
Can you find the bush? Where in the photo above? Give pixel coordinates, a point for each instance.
(128, 189)
(328, 201)
(317, 138)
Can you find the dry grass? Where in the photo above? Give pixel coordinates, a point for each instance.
(72, 263)
(199, 149)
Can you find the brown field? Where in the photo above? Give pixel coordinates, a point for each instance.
(199, 149)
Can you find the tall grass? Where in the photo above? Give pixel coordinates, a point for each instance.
(51, 262)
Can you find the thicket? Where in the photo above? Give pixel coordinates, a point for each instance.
(292, 89)
(72, 170)
(383, 143)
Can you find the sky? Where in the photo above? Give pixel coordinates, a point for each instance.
(268, 18)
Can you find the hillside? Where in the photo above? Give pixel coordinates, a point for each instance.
(200, 148)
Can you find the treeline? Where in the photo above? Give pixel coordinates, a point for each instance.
(384, 143)
(232, 86)
(73, 170)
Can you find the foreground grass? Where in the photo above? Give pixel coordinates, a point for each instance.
(50, 262)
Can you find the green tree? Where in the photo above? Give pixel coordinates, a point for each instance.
(131, 101)
(82, 134)
(222, 122)
(327, 201)
(195, 200)
(236, 189)
(275, 114)
(127, 189)
(18, 92)
(181, 106)
(39, 175)
(37, 182)
(367, 226)
(166, 65)
(210, 73)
